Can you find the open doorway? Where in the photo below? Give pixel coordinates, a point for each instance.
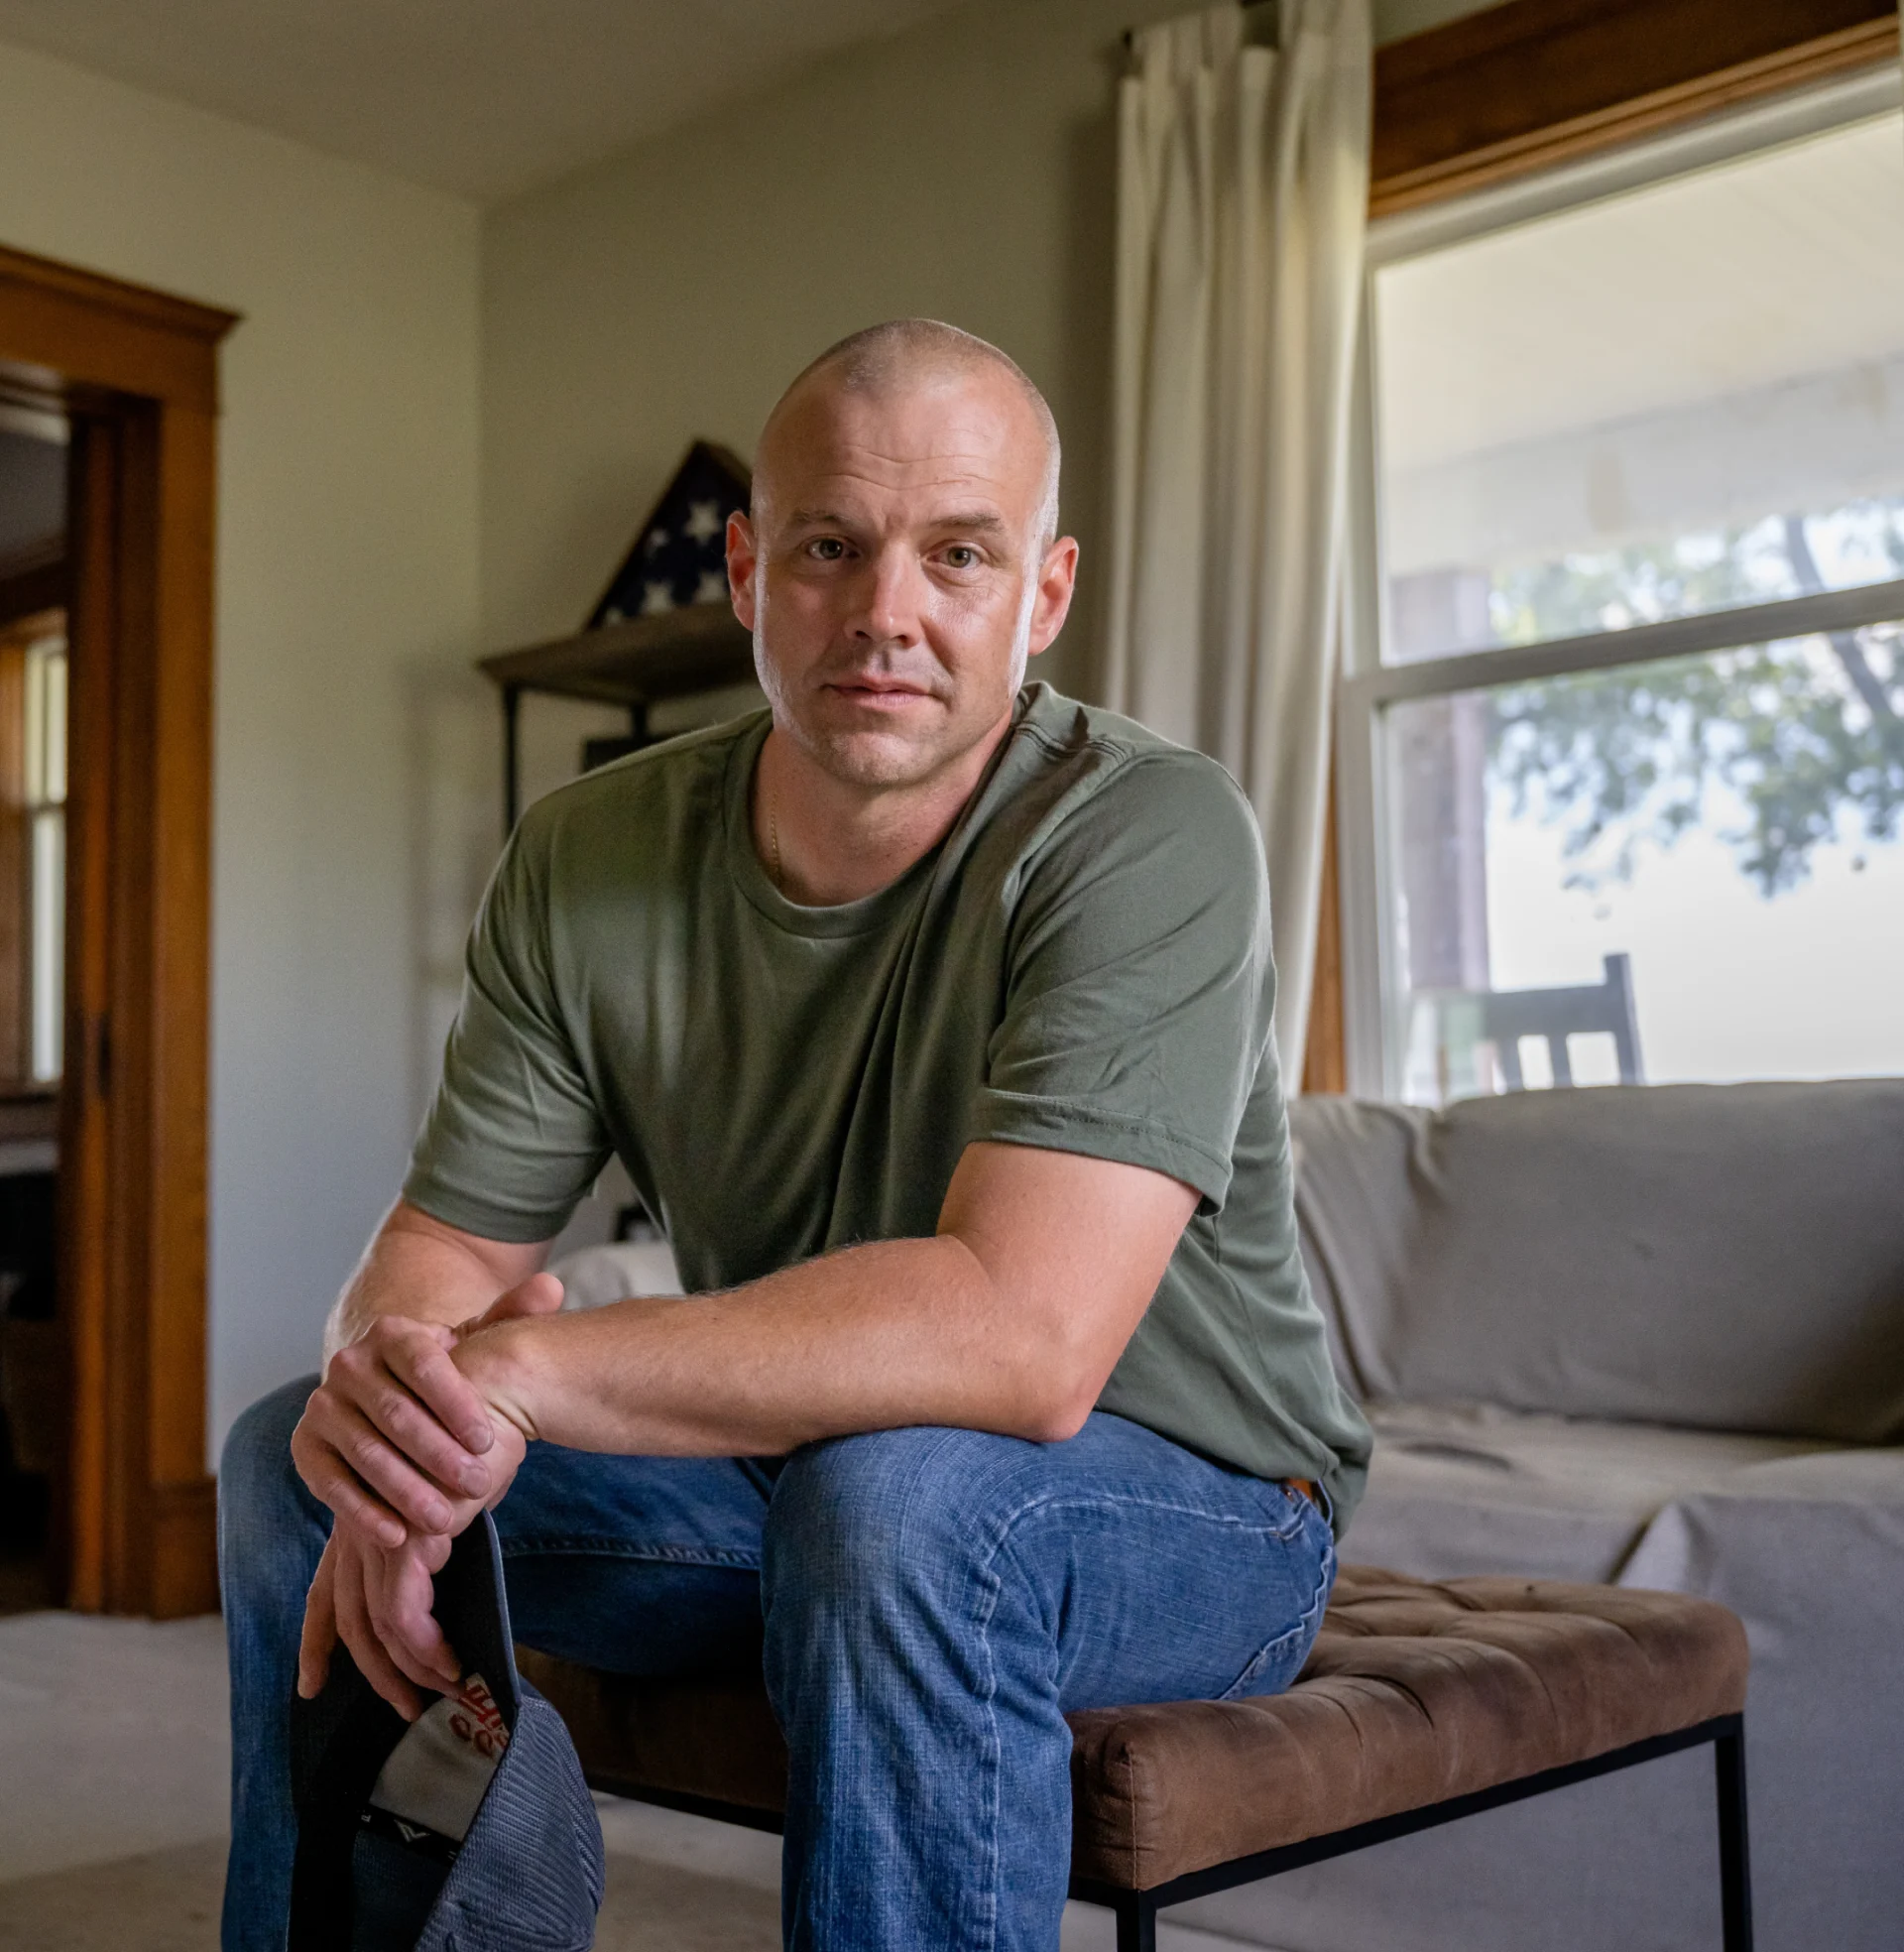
(108, 405)
(35, 1412)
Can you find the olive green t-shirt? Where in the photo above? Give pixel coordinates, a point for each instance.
(1082, 964)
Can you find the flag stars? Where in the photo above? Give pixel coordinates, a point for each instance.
(655, 598)
(712, 588)
(703, 522)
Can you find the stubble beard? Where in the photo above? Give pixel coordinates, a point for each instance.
(885, 760)
(875, 760)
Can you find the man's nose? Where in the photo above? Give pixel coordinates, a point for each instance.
(891, 593)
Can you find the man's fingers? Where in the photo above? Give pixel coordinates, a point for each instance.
(401, 1611)
(423, 1364)
(376, 1667)
(320, 1627)
(332, 1483)
(400, 1654)
(378, 1467)
(413, 1430)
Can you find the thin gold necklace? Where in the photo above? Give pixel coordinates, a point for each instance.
(773, 848)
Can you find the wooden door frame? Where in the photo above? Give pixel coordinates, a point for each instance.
(136, 373)
(1527, 85)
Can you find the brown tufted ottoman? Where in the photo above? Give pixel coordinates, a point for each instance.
(1420, 1703)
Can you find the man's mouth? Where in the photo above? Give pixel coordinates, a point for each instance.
(879, 693)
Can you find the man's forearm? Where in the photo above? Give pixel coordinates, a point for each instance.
(874, 1337)
(420, 1268)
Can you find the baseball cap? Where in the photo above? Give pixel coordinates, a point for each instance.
(468, 1830)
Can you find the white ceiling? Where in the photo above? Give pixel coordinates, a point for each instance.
(482, 97)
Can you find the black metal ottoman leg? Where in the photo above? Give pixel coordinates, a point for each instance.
(1734, 1862)
(1136, 1924)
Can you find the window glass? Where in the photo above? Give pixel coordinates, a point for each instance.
(44, 783)
(1691, 869)
(1679, 400)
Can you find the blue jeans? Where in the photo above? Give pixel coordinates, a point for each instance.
(926, 1605)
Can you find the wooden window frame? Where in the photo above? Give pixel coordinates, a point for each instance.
(136, 373)
(1519, 89)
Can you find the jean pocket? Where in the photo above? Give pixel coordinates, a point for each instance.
(1279, 1660)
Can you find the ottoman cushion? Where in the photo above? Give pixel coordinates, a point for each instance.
(1414, 1693)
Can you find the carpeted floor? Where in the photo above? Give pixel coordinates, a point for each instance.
(168, 1901)
(113, 1767)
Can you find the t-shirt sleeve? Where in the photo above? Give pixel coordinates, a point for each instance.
(513, 1138)
(1140, 987)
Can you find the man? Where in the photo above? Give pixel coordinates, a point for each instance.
(931, 1015)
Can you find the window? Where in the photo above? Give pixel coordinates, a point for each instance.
(1622, 718)
(32, 854)
(43, 777)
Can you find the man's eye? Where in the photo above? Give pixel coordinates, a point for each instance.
(826, 548)
(962, 555)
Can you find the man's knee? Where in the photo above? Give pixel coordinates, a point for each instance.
(892, 1512)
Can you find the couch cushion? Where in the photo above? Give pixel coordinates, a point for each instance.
(1728, 1257)
(1478, 1489)
(1412, 1695)
(595, 1276)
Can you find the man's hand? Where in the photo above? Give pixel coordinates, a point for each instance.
(377, 1597)
(378, 1604)
(395, 1437)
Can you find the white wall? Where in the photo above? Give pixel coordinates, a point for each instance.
(965, 169)
(1396, 19)
(346, 613)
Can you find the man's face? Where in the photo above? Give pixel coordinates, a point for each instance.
(894, 576)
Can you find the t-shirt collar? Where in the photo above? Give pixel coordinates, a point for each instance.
(748, 873)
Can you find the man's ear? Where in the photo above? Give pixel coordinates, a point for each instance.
(1057, 583)
(743, 566)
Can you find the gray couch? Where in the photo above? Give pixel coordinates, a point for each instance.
(1652, 1336)
(1655, 1337)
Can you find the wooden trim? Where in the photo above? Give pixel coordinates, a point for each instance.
(166, 1007)
(184, 1550)
(86, 1295)
(1520, 87)
(79, 328)
(137, 373)
(1325, 1060)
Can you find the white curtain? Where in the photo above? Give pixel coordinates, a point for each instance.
(1243, 185)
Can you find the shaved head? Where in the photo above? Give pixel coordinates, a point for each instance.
(897, 569)
(906, 354)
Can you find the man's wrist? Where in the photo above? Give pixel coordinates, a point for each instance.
(501, 1364)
